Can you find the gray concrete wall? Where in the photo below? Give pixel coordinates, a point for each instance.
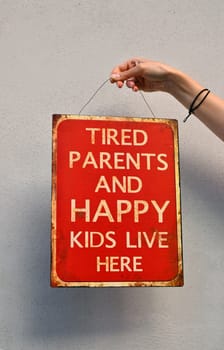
(53, 55)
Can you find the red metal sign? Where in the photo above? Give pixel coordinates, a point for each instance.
(115, 202)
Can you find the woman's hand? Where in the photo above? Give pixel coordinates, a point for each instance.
(142, 74)
(147, 75)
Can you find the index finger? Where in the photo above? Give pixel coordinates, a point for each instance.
(123, 67)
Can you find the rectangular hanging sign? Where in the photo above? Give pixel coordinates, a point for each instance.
(115, 202)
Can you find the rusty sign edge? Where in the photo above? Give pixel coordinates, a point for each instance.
(178, 280)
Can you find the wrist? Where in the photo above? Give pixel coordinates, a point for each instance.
(179, 83)
(182, 87)
(176, 81)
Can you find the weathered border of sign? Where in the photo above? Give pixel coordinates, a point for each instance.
(55, 280)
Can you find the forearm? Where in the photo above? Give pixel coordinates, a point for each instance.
(210, 112)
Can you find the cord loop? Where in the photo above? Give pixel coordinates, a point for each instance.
(192, 107)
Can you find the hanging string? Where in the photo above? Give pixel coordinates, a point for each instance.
(92, 97)
(147, 104)
(101, 86)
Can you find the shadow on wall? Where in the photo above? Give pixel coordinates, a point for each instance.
(63, 312)
(203, 185)
(58, 312)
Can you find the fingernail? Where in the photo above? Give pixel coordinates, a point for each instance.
(130, 83)
(115, 76)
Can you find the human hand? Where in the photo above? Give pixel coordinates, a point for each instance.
(142, 74)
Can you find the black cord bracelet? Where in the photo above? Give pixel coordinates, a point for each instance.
(193, 107)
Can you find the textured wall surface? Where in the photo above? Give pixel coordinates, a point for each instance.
(53, 55)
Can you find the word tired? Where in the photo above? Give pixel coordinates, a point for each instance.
(125, 137)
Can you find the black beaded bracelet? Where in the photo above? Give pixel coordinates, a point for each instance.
(192, 106)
